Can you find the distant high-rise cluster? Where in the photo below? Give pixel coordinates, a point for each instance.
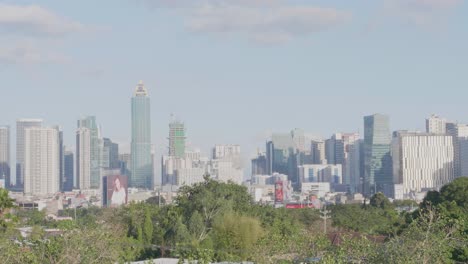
(402, 164)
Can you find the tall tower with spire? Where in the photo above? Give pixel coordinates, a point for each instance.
(141, 161)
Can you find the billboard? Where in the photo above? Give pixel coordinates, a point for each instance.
(279, 193)
(115, 190)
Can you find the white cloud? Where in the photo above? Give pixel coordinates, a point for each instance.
(265, 21)
(32, 19)
(279, 23)
(31, 35)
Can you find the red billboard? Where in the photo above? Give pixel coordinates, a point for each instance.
(279, 193)
(116, 192)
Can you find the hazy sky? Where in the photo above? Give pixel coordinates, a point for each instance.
(233, 70)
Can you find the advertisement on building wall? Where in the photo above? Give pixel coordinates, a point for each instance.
(116, 190)
(279, 193)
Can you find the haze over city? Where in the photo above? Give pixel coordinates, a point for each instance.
(233, 71)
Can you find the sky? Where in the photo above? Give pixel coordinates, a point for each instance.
(233, 70)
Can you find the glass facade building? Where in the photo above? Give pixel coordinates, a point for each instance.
(377, 159)
(141, 175)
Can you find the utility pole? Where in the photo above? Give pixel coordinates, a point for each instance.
(324, 214)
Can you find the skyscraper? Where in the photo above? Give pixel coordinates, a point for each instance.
(68, 183)
(110, 155)
(61, 157)
(377, 159)
(83, 158)
(41, 161)
(176, 139)
(142, 164)
(21, 125)
(88, 153)
(5, 154)
(318, 152)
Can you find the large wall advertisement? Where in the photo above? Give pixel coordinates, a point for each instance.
(115, 190)
(279, 193)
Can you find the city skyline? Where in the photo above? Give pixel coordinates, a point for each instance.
(377, 63)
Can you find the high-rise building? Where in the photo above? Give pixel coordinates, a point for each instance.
(377, 159)
(142, 164)
(5, 155)
(176, 139)
(41, 161)
(68, 182)
(83, 158)
(343, 149)
(88, 153)
(259, 164)
(318, 152)
(61, 157)
(436, 125)
(124, 164)
(21, 125)
(110, 155)
(421, 162)
(459, 133)
(351, 161)
(282, 155)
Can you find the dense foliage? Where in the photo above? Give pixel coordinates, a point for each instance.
(214, 221)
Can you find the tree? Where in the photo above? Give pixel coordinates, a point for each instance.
(427, 240)
(379, 200)
(156, 200)
(235, 235)
(5, 201)
(451, 204)
(212, 198)
(456, 191)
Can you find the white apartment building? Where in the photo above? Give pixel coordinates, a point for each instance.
(436, 125)
(184, 171)
(83, 154)
(226, 151)
(42, 161)
(421, 161)
(21, 125)
(226, 170)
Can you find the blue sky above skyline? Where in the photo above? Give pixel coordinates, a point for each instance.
(233, 70)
